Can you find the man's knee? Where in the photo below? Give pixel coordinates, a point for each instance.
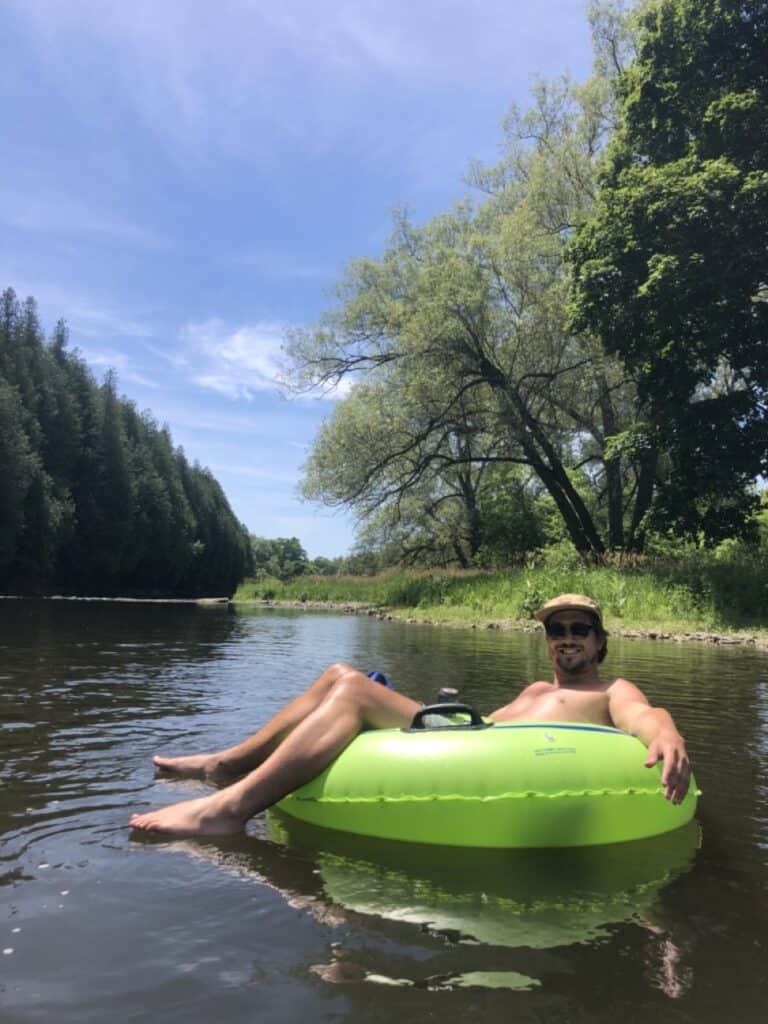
(338, 669)
(351, 685)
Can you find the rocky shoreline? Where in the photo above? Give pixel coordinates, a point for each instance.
(739, 639)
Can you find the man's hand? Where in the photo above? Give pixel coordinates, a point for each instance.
(669, 747)
(629, 710)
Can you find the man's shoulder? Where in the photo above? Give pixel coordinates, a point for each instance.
(623, 688)
(619, 682)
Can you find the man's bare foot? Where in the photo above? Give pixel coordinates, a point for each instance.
(196, 766)
(206, 816)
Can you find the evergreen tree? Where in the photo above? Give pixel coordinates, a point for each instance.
(93, 495)
(18, 468)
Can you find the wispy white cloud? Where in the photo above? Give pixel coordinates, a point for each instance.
(98, 322)
(63, 215)
(123, 365)
(240, 361)
(276, 264)
(189, 417)
(311, 72)
(86, 316)
(263, 473)
(347, 35)
(168, 354)
(259, 145)
(233, 361)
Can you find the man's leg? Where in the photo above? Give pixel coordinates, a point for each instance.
(224, 766)
(352, 704)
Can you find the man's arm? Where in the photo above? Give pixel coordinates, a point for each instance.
(629, 709)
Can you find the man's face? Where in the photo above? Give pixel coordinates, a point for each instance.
(569, 651)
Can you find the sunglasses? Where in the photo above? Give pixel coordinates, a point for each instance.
(558, 630)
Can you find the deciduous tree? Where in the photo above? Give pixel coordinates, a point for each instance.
(458, 334)
(670, 271)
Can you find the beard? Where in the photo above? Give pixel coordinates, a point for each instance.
(575, 663)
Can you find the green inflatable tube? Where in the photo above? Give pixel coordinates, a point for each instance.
(522, 784)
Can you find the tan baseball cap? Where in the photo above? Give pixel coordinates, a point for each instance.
(570, 603)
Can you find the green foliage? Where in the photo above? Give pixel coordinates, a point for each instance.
(18, 468)
(515, 519)
(415, 488)
(279, 559)
(323, 566)
(461, 362)
(93, 495)
(677, 588)
(670, 269)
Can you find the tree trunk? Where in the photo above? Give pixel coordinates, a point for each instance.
(552, 474)
(646, 483)
(613, 485)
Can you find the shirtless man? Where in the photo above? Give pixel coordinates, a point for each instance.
(303, 738)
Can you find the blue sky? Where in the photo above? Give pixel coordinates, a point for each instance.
(183, 180)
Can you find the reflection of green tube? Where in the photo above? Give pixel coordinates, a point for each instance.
(511, 898)
(512, 785)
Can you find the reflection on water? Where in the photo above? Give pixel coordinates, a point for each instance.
(539, 899)
(517, 899)
(290, 922)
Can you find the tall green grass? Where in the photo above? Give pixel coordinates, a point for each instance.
(685, 590)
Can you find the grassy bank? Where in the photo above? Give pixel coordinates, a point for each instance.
(688, 591)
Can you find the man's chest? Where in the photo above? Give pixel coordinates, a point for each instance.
(563, 704)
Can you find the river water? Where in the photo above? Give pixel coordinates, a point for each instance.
(292, 924)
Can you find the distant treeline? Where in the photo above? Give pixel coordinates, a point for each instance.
(94, 497)
(679, 588)
(282, 559)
